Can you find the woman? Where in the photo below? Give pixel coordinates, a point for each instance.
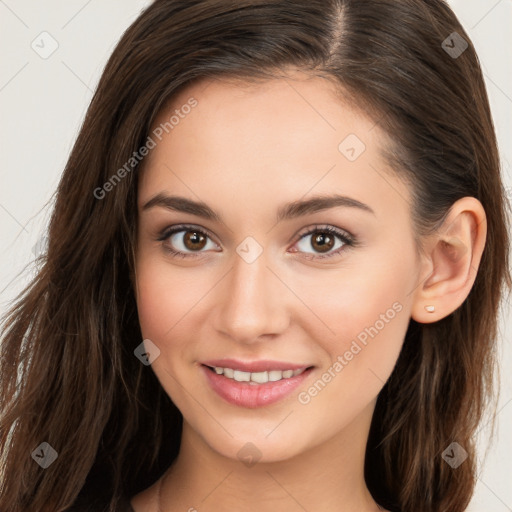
(274, 270)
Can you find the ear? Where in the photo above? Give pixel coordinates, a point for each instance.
(450, 260)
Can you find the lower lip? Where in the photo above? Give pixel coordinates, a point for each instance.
(248, 395)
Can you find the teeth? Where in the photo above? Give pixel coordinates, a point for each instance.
(242, 376)
(257, 377)
(260, 377)
(275, 375)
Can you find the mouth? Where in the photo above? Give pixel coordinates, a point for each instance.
(255, 384)
(256, 378)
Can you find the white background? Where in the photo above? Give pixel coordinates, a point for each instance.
(43, 102)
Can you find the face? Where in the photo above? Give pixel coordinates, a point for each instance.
(294, 271)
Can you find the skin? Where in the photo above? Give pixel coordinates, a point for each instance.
(245, 151)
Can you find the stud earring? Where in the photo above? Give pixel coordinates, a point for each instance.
(430, 309)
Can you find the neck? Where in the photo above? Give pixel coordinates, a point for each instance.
(328, 477)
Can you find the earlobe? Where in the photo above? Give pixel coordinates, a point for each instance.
(451, 259)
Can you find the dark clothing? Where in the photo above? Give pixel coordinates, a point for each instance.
(125, 505)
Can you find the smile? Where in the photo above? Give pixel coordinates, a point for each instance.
(257, 377)
(253, 389)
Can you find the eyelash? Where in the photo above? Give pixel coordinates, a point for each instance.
(347, 239)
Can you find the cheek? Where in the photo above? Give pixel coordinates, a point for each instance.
(369, 321)
(365, 315)
(165, 297)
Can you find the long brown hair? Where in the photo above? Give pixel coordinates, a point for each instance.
(68, 375)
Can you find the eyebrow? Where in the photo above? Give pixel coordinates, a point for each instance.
(288, 211)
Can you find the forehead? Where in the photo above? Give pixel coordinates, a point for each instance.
(299, 100)
(266, 140)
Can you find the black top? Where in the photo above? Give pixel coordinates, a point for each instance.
(125, 505)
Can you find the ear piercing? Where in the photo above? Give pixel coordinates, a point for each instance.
(430, 309)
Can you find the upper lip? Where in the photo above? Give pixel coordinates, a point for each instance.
(254, 366)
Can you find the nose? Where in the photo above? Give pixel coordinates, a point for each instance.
(252, 303)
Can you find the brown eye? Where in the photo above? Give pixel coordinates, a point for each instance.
(185, 241)
(194, 240)
(322, 242)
